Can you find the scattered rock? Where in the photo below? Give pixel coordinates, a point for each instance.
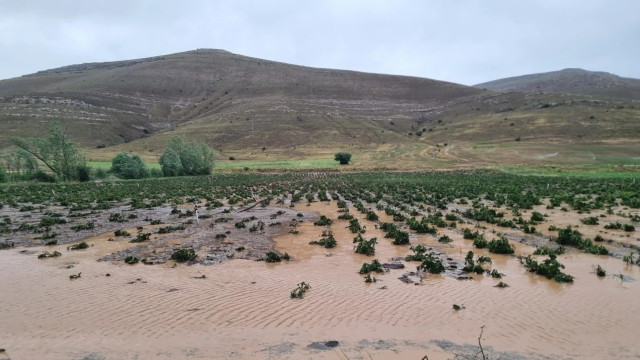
(323, 345)
(393, 266)
(411, 277)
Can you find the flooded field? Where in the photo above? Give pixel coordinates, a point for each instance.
(227, 305)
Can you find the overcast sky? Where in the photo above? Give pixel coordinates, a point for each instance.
(462, 41)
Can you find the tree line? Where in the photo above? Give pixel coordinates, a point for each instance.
(55, 158)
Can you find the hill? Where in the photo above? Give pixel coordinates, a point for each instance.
(223, 91)
(260, 110)
(569, 81)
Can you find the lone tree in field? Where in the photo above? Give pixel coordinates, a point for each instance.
(182, 158)
(343, 157)
(62, 157)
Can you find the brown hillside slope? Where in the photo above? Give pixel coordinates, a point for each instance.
(256, 109)
(570, 81)
(132, 99)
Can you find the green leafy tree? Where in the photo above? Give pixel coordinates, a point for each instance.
(3, 175)
(62, 157)
(170, 163)
(182, 158)
(343, 158)
(129, 166)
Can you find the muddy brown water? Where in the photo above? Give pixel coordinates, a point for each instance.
(242, 309)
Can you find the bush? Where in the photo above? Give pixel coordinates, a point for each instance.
(343, 157)
(536, 216)
(345, 216)
(49, 221)
(121, 232)
(480, 242)
(47, 254)
(328, 242)
(469, 235)
(80, 246)
(592, 220)
(470, 265)
(501, 246)
(83, 173)
(272, 257)
(366, 247)
(419, 252)
(131, 260)
(374, 266)
(182, 158)
(323, 221)
(431, 264)
(184, 255)
(618, 226)
(86, 226)
(116, 217)
(128, 166)
(354, 226)
(299, 291)
(550, 268)
(170, 229)
(568, 236)
(141, 237)
(545, 250)
(42, 177)
(400, 237)
(100, 173)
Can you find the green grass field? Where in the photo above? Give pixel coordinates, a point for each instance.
(106, 165)
(305, 164)
(594, 171)
(327, 163)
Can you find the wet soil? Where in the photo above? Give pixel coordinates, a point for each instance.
(238, 308)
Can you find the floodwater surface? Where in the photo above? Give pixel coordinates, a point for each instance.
(242, 309)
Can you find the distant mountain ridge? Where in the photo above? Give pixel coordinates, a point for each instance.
(250, 108)
(569, 81)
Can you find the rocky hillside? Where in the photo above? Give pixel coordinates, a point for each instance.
(257, 109)
(129, 100)
(569, 81)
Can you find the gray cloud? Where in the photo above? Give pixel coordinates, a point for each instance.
(463, 41)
